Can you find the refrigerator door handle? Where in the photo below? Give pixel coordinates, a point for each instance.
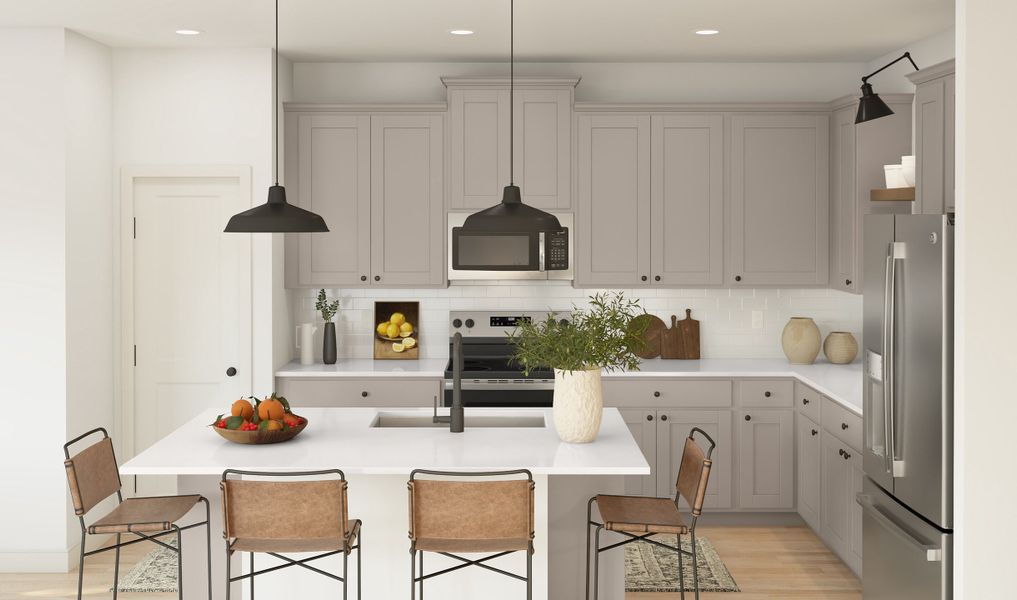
(932, 552)
(895, 467)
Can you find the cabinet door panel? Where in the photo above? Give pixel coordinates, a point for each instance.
(766, 459)
(407, 241)
(613, 240)
(844, 223)
(687, 205)
(779, 184)
(479, 147)
(642, 423)
(809, 469)
(543, 147)
(673, 427)
(834, 509)
(856, 476)
(334, 180)
(950, 141)
(930, 147)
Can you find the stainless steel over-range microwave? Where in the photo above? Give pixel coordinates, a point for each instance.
(509, 255)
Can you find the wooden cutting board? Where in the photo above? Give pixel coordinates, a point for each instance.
(689, 328)
(671, 341)
(651, 335)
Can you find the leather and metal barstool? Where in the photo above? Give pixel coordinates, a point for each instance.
(93, 476)
(456, 515)
(316, 521)
(639, 517)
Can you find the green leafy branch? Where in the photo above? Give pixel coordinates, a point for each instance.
(326, 308)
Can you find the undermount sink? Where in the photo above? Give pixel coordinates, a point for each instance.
(397, 420)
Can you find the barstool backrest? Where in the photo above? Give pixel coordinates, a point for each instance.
(471, 510)
(92, 474)
(694, 472)
(284, 510)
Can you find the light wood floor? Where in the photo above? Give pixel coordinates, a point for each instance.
(767, 562)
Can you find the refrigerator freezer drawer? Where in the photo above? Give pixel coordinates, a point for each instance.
(904, 558)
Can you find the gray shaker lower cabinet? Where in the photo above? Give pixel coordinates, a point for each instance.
(354, 392)
(841, 516)
(673, 428)
(809, 454)
(766, 477)
(642, 423)
(779, 188)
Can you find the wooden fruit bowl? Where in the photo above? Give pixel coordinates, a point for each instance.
(263, 436)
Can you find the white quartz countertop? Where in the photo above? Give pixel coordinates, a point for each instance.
(344, 438)
(841, 383)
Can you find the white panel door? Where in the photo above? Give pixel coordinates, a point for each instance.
(192, 304)
(687, 206)
(766, 459)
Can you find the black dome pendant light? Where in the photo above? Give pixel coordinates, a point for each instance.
(276, 215)
(512, 215)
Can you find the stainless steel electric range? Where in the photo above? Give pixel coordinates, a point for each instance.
(490, 375)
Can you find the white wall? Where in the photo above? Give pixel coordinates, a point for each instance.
(204, 107)
(282, 333)
(88, 105)
(985, 411)
(926, 52)
(601, 82)
(726, 316)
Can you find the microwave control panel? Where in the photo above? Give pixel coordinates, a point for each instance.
(558, 250)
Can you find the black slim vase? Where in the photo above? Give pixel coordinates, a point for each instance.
(328, 351)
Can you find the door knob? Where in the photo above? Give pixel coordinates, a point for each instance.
(738, 277)
(748, 417)
(767, 394)
(847, 282)
(377, 277)
(843, 426)
(840, 451)
(847, 455)
(363, 278)
(656, 278)
(643, 277)
(230, 372)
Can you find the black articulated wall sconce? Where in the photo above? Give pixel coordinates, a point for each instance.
(870, 105)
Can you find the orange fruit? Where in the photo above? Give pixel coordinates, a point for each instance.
(242, 408)
(274, 425)
(270, 409)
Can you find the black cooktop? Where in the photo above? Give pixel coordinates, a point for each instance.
(496, 367)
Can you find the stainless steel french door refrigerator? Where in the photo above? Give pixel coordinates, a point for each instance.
(907, 496)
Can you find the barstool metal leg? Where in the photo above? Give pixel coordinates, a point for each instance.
(695, 564)
(180, 564)
(252, 576)
(596, 563)
(346, 574)
(208, 544)
(529, 574)
(116, 569)
(681, 566)
(421, 575)
(81, 563)
(413, 574)
(589, 517)
(360, 549)
(229, 584)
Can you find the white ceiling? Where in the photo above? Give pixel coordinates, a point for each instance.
(546, 30)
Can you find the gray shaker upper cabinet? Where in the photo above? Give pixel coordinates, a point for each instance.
(407, 193)
(857, 155)
(612, 241)
(479, 140)
(779, 187)
(328, 166)
(934, 138)
(687, 199)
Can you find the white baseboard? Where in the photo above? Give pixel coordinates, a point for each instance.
(48, 562)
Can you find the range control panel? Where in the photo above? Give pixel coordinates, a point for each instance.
(493, 324)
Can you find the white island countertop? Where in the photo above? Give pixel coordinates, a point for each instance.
(344, 438)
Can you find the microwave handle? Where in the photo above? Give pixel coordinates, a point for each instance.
(540, 252)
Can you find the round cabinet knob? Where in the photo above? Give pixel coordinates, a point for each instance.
(767, 394)
(470, 323)
(814, 432)
(656, 394)
(805, 401)
(363, 394)
(363, 278)
(738, 277)
(230, 372)
(643, 277)
(649, 417)
(847, 282)
(843, 425)
(656, 278)
(663, 417)
(457, 323)
(847, 455)
(377, 277)
(748, 417)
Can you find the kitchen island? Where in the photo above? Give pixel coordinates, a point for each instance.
(377, 449)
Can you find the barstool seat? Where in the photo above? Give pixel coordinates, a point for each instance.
(145, 514)
(636, 514)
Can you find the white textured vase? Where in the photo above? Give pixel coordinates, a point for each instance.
(578, 405)
(801, 340)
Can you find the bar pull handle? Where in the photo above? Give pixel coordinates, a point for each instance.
(932, 552)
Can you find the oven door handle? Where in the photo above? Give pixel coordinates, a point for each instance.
(519, 385)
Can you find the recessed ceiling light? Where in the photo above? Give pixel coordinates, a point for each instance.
(707, 32)
(461, 31)
(188, 32)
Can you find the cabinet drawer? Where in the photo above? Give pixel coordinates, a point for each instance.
(766, 392)
(359, 392)
(667, 393)
(842, 423)
(807, 401)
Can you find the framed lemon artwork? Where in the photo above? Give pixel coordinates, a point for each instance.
(396, 330)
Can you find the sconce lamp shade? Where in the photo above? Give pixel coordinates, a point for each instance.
(871, 106)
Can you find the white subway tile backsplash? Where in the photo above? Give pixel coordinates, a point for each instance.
(725, 314)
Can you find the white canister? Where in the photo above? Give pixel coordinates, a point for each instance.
(894, 176)
(305, 342)
(907, 164)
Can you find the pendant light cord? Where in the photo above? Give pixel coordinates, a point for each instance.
(275, 96)
(512, 91)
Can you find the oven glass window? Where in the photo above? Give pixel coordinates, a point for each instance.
(494, 251)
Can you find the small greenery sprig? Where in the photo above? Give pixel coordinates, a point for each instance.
(604, 335)
(326, 308)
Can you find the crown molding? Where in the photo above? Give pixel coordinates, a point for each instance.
(947, 67)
